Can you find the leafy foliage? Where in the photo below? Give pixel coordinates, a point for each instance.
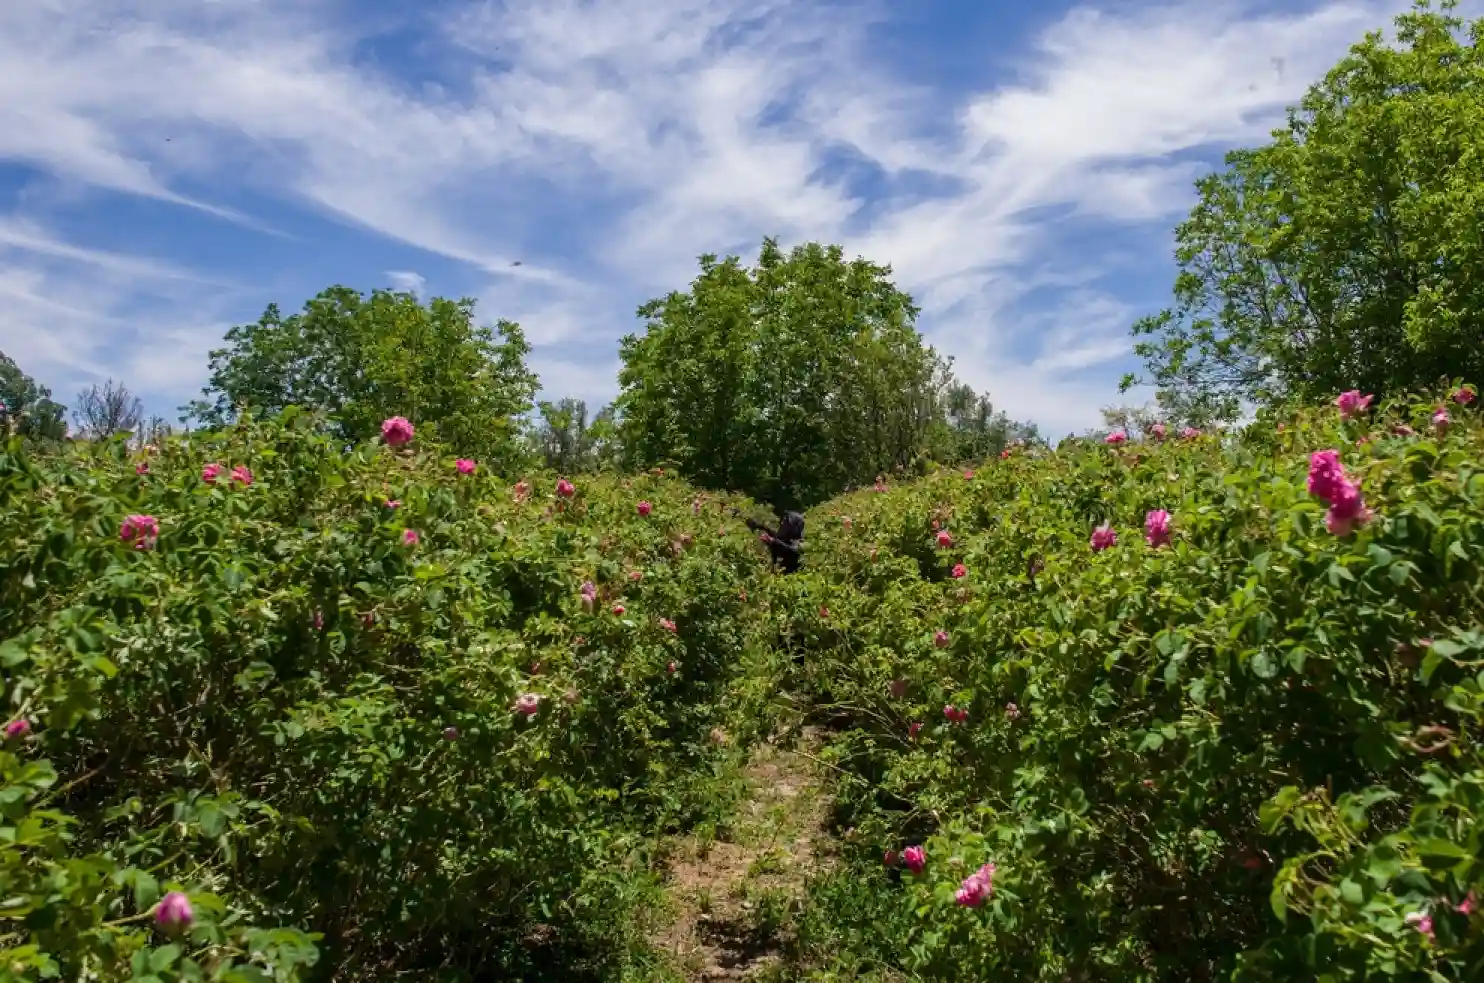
(1348, 251)
(301, 703)
(363, 359)
(567, 442)
(1250, 754)
(26, 408)
(790, 381)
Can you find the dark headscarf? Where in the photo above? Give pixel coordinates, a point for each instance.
(791, 529)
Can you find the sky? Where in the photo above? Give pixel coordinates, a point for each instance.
(170, 167)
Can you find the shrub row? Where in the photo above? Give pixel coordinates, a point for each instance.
(1208, 707)
(282, 709)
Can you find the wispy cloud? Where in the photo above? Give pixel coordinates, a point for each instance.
(407, 281)
(567, 159)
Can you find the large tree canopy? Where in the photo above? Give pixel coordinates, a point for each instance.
(789, 381)
(26, 407)
(1349, 251)
(363, 359)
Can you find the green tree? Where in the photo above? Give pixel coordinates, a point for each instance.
(26, 407)
(790, 381)
(1349, 251)
(363, 359)
(975, 430)
(567, 442)
(1135, 421)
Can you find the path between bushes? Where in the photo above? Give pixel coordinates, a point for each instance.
(732, 896)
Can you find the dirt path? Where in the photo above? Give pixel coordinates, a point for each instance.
(732, 896)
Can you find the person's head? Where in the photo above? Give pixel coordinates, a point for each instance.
(792, 526)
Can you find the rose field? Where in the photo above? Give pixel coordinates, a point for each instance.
(1195, 706)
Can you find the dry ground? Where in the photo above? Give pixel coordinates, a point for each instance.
(731, 896)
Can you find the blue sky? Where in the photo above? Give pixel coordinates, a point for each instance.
(169, 167)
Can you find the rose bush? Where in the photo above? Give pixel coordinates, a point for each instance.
(356, 693)
(1213, 717)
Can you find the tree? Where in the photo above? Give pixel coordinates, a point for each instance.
(1132, 420)
(107, 409)
(363, 359)
(26, 407)
(975, 430)
(1348, 252)
(566, 442)
(154, 432)
(791, 381)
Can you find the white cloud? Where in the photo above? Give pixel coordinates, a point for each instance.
(579, 154)
(406, 281)
(72, 316)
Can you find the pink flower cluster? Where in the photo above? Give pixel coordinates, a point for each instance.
(915, 858)
(1157, 431)
(645, 508)
(1157, 528)
(141, 530)
(668, 625)
(1352, 403)
(955, 714)
(19, 727)
(1115, 438)
(959, 571)
(1103, 537)
(565, 488)
(1329, 484)
(527, 704)
(465, 466)
(396, 431)
(976, 888)
(945, 539)
(940, 639)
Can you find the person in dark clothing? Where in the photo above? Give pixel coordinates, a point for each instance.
(786, 542)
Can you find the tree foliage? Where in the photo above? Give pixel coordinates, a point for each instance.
(26, 407)
(565, 441)
(111, 408)
(363, 359)
(791, 380)
(1349, 251)
(975, 430)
